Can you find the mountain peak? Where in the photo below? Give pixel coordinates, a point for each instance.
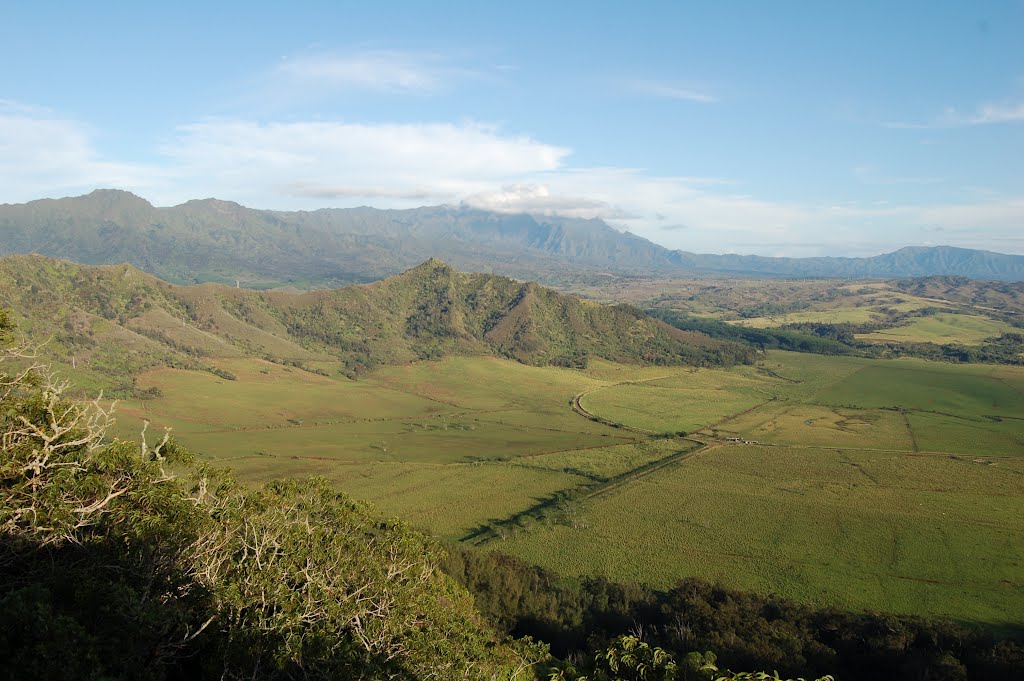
(112, 196)
(432, 264)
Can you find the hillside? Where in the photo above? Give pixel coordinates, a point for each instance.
(212, 240)
(113, 321)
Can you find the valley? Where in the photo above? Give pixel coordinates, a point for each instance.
(867, 484)
(586, 438)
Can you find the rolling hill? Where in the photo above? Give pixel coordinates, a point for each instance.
(114, 321)
(212, 240)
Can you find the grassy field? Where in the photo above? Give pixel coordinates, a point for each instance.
(942, 328)
(838, 315)
(888, 531)
(819, 401)
(891, 485)
(411, 439)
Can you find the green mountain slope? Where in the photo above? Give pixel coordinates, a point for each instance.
(113, 321)
(211, 240)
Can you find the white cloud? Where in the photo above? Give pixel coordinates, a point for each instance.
(381, 71)
(44, 154)
(672, 91)
(997, 114)
(871, 175)
(311, 161)
(717, 219)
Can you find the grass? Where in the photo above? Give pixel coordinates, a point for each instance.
(863, 530)
(942, 328)
(267, 395)
(927, 386)
(603, 463)
(447, 445)
(820, 426)
(839, 315)
(447, 500)
(848, 503)
(970, 437)
(661, 409)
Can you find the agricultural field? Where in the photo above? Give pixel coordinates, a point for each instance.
(868, 484)
(418, 440)
(887, 311)
(942, 328)
(889, 531)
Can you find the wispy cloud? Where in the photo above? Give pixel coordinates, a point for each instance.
(380, 71)
(44, 154)
(667, 90)
(988, 114)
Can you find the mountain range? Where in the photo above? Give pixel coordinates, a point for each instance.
(213, 240)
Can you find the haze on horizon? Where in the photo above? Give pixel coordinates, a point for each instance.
(792, 129)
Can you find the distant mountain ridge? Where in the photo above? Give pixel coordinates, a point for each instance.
(213, 240)
(910, 261)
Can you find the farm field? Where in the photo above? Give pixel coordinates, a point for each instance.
(887, 531)
(942, 328)
(411, 439)
(874, 484)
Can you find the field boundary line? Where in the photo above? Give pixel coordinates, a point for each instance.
(487, 532)
(652, 467)
(910, 430)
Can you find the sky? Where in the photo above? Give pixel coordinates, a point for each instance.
(775, 128)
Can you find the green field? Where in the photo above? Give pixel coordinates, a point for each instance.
(942, 328)
(890, 485)
(412, 439)
(887, 531)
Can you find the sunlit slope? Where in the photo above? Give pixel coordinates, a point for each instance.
(108, 324)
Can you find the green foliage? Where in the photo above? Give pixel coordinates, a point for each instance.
(582, 619)
(627, 658)
(630, 659)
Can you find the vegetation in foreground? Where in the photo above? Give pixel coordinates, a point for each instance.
(118, 562)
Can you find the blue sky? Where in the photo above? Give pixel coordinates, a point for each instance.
(781, 128)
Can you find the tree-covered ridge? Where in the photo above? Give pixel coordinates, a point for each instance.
(116, 321)
(433, 310)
